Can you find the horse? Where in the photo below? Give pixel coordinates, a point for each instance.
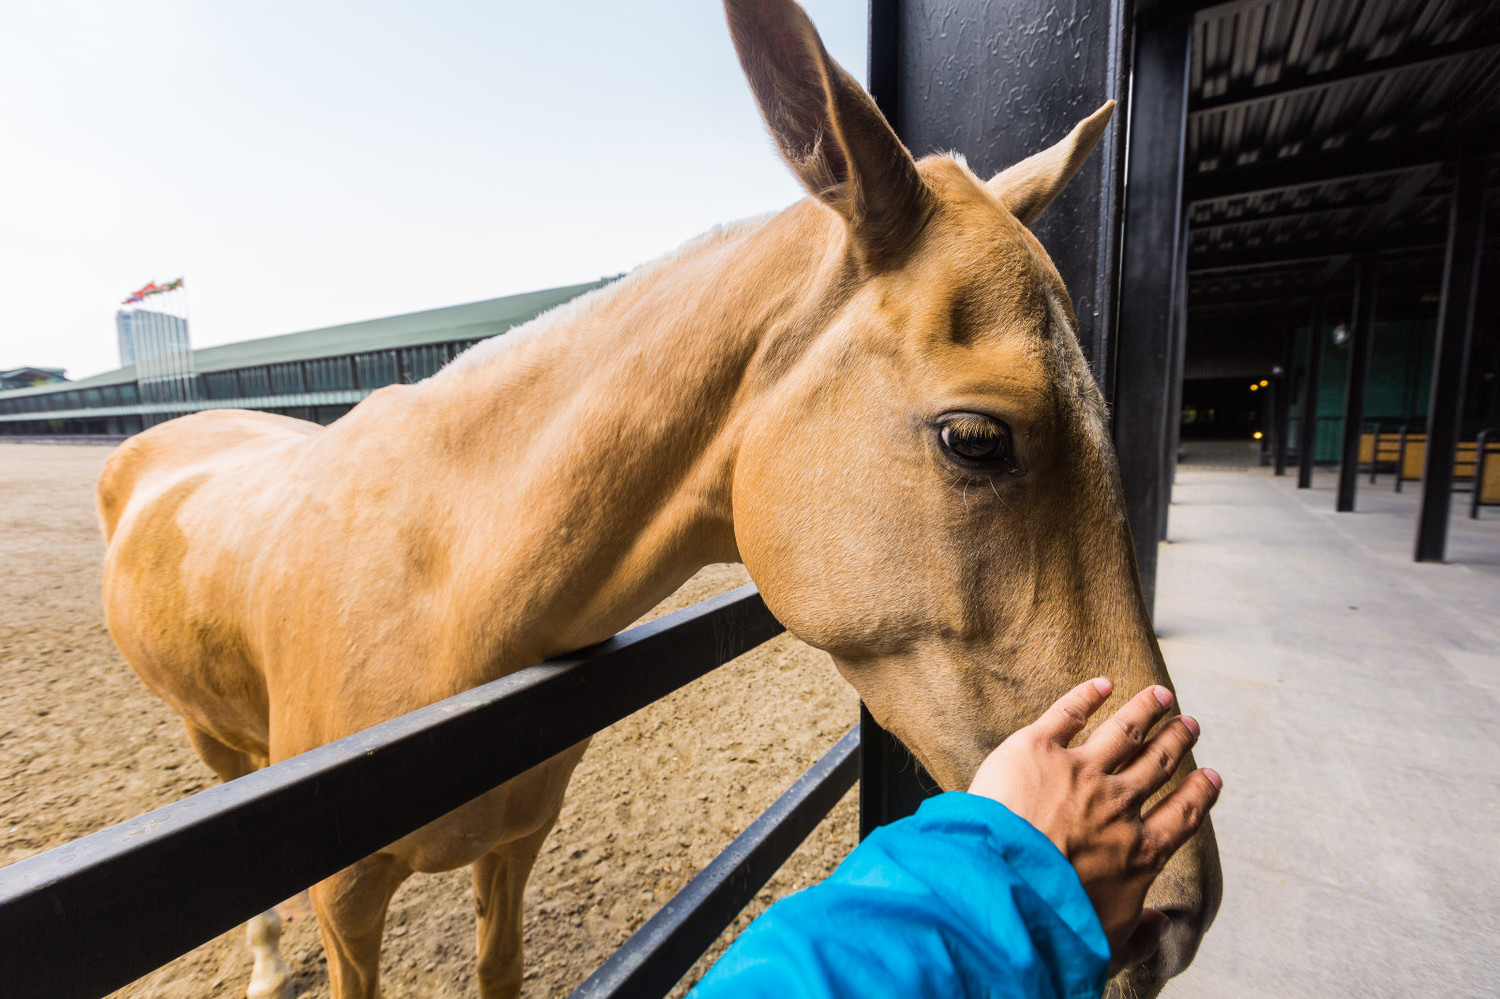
(874, 399)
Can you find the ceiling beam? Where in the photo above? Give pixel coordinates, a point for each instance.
(1300, 252)
(1246, 95)
(1288, 172)
(1250, 218)
(1398, 296)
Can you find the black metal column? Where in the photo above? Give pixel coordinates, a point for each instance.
(1307, 436)
(1450, 364)
(1361, 333)
(976, 77)
(1144, 356)
(1177, 358)
(998, 82)
(1284, 382)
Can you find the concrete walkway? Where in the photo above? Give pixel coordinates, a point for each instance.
(1351, 698)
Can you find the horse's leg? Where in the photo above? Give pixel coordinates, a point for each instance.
(499, 883)
(270, 978)
(351, 907)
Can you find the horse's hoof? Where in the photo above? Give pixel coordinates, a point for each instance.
(271, 987)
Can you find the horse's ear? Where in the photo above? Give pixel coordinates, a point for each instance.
(827, 128)
(1030, 185)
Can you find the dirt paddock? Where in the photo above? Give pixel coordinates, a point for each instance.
(84, 745)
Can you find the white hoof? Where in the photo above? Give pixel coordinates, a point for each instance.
(271, 987)
(271, 979)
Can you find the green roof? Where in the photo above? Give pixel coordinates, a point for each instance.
(473, 321)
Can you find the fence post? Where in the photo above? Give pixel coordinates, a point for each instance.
(892, 784)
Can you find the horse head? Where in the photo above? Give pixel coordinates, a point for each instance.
(928, 491)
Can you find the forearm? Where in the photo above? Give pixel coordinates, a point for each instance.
(962, 899)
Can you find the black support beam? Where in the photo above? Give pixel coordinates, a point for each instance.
(965, 75)
(1177, 361)
(1145, 356)
(1309, 251)
(1307, 436)
(974, 76)
(1451, 357)
(1245, 96)
(1283, 408)
(1361, 333)
(1252, 216)
(1349, 163)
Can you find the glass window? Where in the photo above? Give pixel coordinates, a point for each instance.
(255, 382)
(376, 369)
(286, 378)
(219, 385)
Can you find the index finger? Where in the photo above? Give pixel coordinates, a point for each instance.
(1117, 741)
(1071, 712)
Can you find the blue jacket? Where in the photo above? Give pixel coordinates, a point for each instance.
(963, 898)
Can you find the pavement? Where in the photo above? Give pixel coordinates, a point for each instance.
(1351, 699)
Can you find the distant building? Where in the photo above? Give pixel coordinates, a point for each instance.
(317, 375)
(163, 358)
(124, 339)
(16, 378)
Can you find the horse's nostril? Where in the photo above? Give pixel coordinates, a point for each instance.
(1178, 944)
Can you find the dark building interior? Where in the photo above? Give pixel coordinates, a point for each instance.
(1327, 143)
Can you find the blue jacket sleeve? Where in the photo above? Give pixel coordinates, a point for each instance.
(963, 898)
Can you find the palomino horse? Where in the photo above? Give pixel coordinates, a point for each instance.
(874, 399)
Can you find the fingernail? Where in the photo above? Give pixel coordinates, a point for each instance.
(1103, 685)
(1214, 778)
(1164, 695)
(1192, 725)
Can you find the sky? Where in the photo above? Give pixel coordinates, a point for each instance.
(303, 164)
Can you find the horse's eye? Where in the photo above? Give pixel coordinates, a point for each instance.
(976, 439)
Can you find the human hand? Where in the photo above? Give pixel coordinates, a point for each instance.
(1088, 801)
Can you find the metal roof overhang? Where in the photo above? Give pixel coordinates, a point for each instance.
(1320, 129)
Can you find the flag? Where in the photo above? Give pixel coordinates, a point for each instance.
(151, 288)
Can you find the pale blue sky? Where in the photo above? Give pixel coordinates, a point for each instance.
(310, 163)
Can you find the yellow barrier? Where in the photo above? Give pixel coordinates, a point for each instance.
(1413, 457)
(1464, 462)
(1488, 487)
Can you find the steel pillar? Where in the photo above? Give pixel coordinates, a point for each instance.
(998, 82)
(1283, 383)
(1307, 435)
(1177, 359)
(1361, 333)
(977, 77)
(1144, 354)
(1451, 356)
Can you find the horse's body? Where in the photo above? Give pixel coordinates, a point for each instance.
(805, 393)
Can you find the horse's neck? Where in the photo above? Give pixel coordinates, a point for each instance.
(594, 457)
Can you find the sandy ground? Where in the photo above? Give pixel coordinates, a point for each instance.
(84, 745)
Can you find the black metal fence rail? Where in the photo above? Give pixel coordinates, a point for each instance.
(95, 914)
